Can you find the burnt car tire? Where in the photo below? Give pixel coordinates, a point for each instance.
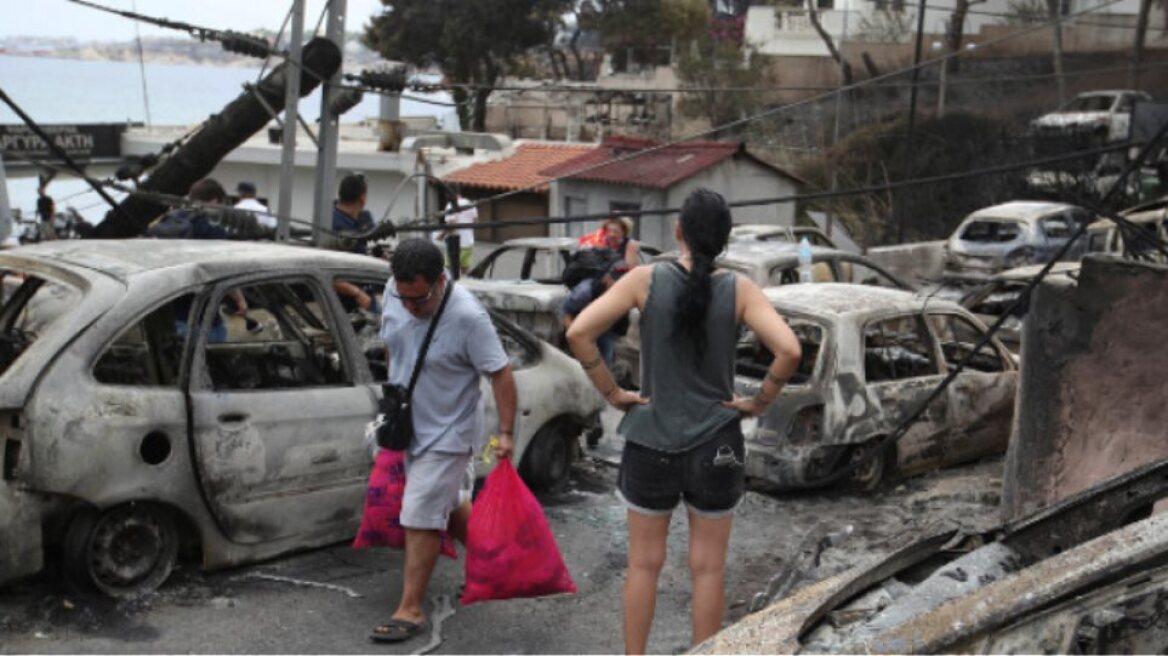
(126, 551)
(548, 459)
(869, 473)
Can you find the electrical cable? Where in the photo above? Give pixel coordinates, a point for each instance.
(60, 152)
(754, 117)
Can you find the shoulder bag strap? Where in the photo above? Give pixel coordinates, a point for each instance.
(426, 341)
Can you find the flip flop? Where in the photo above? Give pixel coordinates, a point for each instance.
(396, 630)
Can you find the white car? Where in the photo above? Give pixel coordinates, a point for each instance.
(139, 414)
(1103, 115)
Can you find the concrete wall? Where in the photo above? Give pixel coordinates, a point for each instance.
(1092, 402)
(913, 262)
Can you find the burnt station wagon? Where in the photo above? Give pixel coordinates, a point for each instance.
(143, 417)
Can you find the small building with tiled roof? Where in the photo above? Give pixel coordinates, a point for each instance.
(520, 172)
(612, 178)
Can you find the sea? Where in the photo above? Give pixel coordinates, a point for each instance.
(83, 91)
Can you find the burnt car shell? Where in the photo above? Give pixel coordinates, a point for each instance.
(1011, 235)
(240, 449)
(847, 393)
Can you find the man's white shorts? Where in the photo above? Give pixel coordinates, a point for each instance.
(436, 484)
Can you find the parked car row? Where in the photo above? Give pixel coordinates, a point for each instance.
(129, 438)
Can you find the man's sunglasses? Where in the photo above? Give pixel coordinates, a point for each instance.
(416, 300)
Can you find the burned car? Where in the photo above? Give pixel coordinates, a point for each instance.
(1151, 220)
(989, 301)
(1011, 235)
(871, 356)
(523, 281)
(1085, 575)
(1098, 116)
(777, 263)
(780, 233)
(144, 417)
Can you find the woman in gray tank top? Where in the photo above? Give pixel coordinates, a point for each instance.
(682, 435)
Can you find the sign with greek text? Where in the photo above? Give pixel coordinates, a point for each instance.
(83, 142)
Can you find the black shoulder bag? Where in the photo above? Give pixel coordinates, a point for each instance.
(396, 431)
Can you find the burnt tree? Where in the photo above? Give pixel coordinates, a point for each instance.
(219, 135)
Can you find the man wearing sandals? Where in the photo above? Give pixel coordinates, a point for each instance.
(447, 412)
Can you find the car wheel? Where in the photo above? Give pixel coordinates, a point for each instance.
(869, 471)
(125, 551)
(548, 459)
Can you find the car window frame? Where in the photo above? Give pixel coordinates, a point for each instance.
(196, 292)
(919, 316)
(822, 368)
(198, 378)
(1004, 357)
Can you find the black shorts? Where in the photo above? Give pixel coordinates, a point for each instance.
(710, 477)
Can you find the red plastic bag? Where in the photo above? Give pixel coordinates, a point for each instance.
(510, 551)
(380, 523)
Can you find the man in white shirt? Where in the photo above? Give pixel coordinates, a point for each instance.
(467, 215)
(247, 201)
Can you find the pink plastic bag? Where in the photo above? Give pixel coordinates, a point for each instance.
(510, 551)
(380, 523)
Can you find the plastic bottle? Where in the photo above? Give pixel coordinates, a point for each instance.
(804, 260)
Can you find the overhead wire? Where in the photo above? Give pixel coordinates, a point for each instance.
(753, 117)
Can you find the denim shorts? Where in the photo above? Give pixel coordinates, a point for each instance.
(710, 477)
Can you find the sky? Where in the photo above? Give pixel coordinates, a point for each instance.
(60, 18)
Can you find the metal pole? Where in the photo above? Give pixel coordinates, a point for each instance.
(838, 100)
(326, 158)
(912, 117)
(5, 210)
(291, 109)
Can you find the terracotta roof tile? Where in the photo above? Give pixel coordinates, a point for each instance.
(658, 169)
(521, 170)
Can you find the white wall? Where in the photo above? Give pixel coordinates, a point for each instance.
(796, 37)
(738, 178)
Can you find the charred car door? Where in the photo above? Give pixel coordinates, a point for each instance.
(900, 370)
(981, 398)
(277, 413)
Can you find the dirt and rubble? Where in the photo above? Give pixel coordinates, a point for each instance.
(326, 600)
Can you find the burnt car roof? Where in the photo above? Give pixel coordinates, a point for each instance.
(123, 259)
(1018, 210)
(841, 299)
(568, 243)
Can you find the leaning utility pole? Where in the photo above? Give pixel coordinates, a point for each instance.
(326, 157)
(222, 133)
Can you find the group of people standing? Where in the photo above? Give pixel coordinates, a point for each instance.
(683, 442)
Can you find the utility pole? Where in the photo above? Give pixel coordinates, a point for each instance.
(902, 207)
(838, 100)
(326, 157)
(291, 121)
(5, 210)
